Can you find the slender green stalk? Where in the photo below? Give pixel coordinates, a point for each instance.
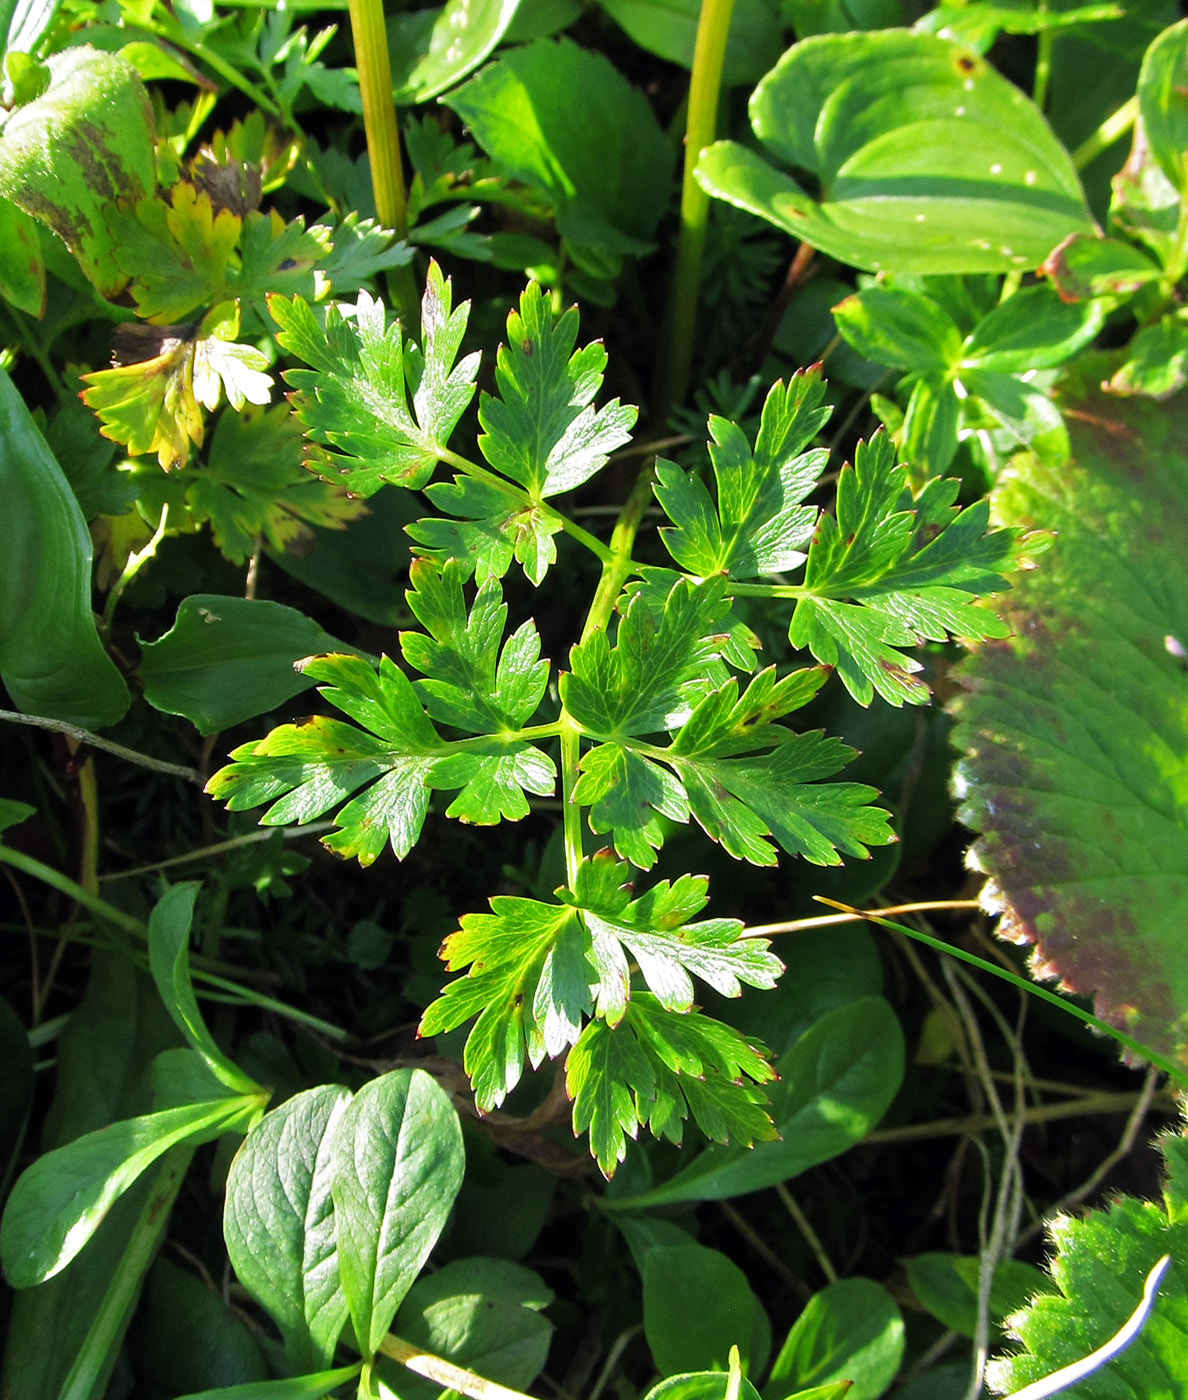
(523, 498)
(1107, 133)
(383, 143)
(675, 356)
(96, 1356)
(1033, 988)
(136, 561)
(72, 890)
(444, 1373)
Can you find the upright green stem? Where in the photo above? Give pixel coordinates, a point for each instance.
(617, 568)
(383, 143)
(675, 355)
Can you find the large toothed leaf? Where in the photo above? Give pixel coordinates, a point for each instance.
(1075, 729)
(1101, 1264)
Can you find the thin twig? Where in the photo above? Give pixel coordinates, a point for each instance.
(93, 741)
(812, 1239)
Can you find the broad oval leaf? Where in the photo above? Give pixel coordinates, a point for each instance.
(85, 142)
(60, 1201)
(684, 1281)
(1075, 729)
(397, 1166)
(279, 1222)
(443, 45)
(928, 160)
(834, 1085)
(51, 658)
(851, 1330)
(1161, 102)
(227, 659)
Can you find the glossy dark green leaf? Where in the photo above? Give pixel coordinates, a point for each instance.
(397, 1166)
(78, 146)
(435, 49)
(483, 1314)
(169, 959)
(948, 1284)
(1164, 113)
(930, 427)
(834, 1085)
(1033, 329)
(686, 1281)
(901, 328)
(706, 1385)
(104, 1053)
(279, 1222)
(928, 160)
(1157, 362)
(59, 1202)
(851, 1330)
(226, 659)
(311, 1387)
(603, 163)
(185, 1334)
(51, 658)
(668, 28)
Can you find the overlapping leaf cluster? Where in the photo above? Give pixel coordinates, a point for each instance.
(652, 720)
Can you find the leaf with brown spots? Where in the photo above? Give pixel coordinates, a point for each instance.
(1075, 728)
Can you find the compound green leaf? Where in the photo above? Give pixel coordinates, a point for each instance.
(1100, 1266)
(397, 1166)
(82, 143)
(51, 659)
(759, 524)
(542, 430)
(888, 572)
(834, 1085)
(636, 686)
(354, 400)
(653, 1069)
(471, 683)
(227, 659)
(252, 483)
(279, 1224)
(1074, 730)
(851, 1330)
(928, 160)
(492, 525)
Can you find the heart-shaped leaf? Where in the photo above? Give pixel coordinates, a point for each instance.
(1075, 729)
